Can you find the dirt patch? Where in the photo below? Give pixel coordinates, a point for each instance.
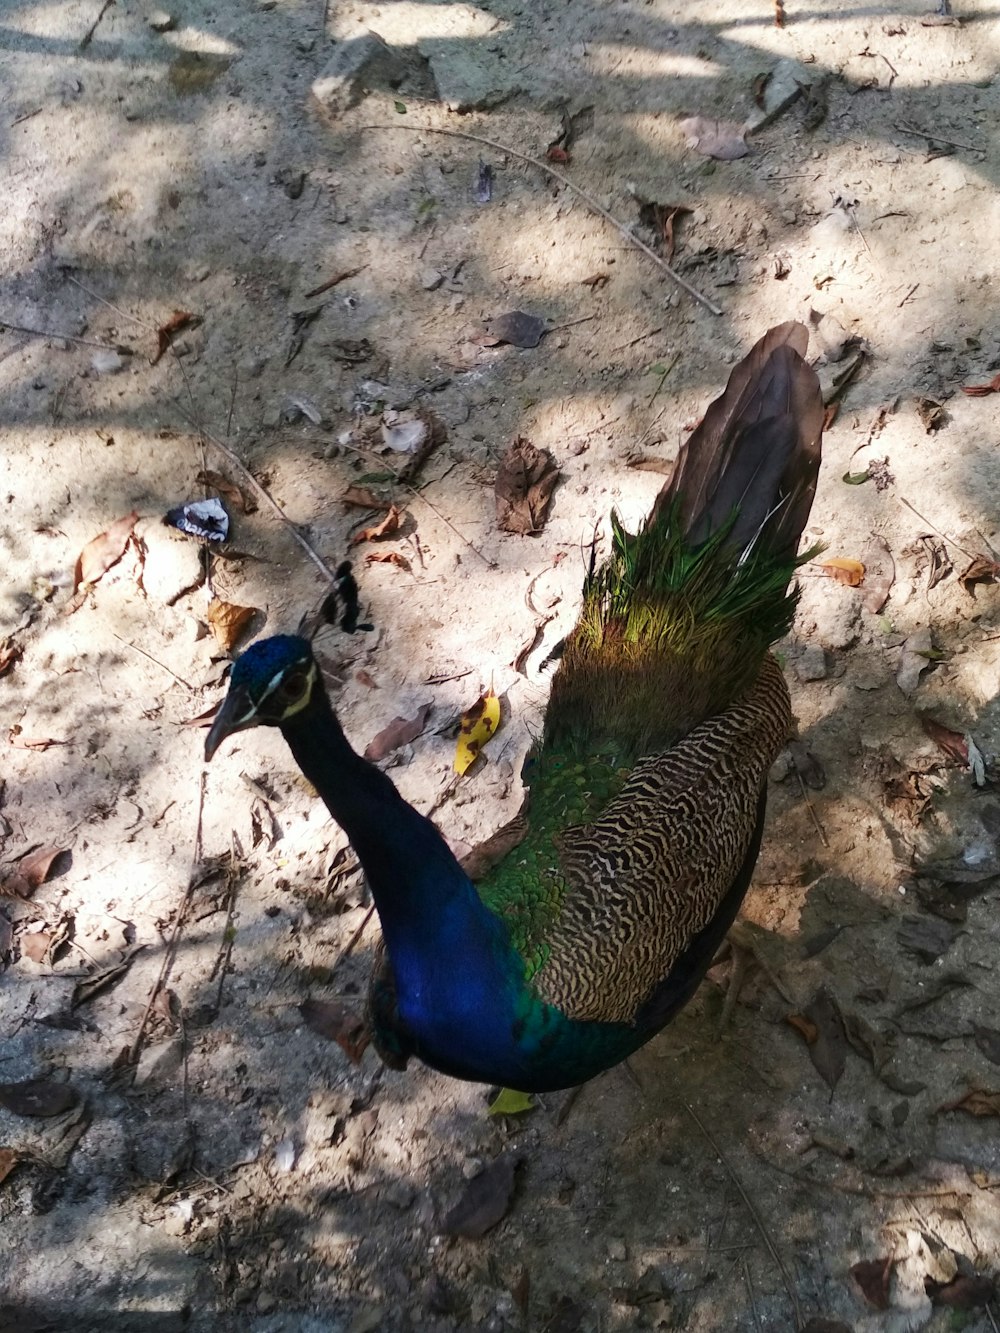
(339, 284)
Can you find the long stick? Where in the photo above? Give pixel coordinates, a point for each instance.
(588, 199)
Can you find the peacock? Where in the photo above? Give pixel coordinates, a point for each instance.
(590, 921)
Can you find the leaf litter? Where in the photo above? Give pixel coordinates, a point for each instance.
(525, 481)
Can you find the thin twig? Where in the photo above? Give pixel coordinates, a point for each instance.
(993, 1322)
(88, 36)
(64, 337)
(111, 306)
(261, 491)
(334, 281)
(749, 1285)
(809, 806)
(171, 949)
(752, 1209)
(27, 115)
(860, 1191)
(935, 138)
(588, 199)
(156, 662)
(622, 347)
(943, 535)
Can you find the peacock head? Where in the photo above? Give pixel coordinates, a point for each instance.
(271, 681)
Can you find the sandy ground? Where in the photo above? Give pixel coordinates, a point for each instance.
(243, 1174)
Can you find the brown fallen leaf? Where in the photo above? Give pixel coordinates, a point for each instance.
(662, 219)
(8, 1160)
(931, 413)
(843, 570)
(484, 1202)
(596, 281)
(981, 570)
(9, 653)
(400, 731)
(940, 565)
(366, 678)
(981, 390)
(228, 622)
(228, 490)
(338, 1022)
(953, 743)
(19, 741)
(364, 498)
(385, 528)
(387, 558)
(963, 1292)
(977, 1102)
(880, 574)
(98, 556)
(721, 139)
(828, 1049)
(524, 484)
(203, 719)
(32, 870)
(872, 1276)
(180, 319)
(38, 1097)
(36, 944)
(516, 327)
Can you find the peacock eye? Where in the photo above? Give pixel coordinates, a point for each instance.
(293, 686)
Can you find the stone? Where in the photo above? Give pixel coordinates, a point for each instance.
(788, 78)
(362, 65)
(463, 76)
(159, 1062)
(160, 21)
(812, 664)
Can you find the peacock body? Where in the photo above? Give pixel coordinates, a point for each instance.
(600, 916)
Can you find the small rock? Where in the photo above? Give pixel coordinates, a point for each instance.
(463, 76)
(431, 279)
(265, 1302)
(617, 1250)
(787, 80)
(781, 767)
(160, 21)
(159, 1062)
(359, 66)
(812, 664)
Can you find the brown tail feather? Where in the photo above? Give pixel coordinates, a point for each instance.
(756, 450)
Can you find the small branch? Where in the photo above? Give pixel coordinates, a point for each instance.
(262, 493)
(810, 807)
(588, 199)
(64, 337)
(934, 138)
(156, 662)
(88, 36)
(334, 281)
(751, 1208)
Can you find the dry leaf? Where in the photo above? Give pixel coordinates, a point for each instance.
(9, 653)
(387, 558)
(228, 622)
(366, 678)
(517, 328)
(525, 481)
(364, 498)
(203, 719)
(981, 570)
(879, 575)
(227, 489)
(916, 657)
(400, 731)
(963, 1292)
(872, 1276)
(8, 1160)
(38, 1097)
(180, 319)
(337, 1022)
(32, 870)
(843, 570)
(721, 139)
(596, 281)
(951, 742)
(931, 413)
(98, 556)
(484, 1202)
(980, 390)
(477, 726)
(19, 741)
(828, 1049)
(661, 218)
(977, 1102)
(385, 528)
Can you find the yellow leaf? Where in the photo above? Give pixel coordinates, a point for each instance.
(851, 572)
(478, 725)
(228, 621)
(509, 1102)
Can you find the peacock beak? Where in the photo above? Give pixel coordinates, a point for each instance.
(238, 712)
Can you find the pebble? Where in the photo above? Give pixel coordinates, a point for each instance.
(812, 664)
(160, 21)
(617, 1250)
